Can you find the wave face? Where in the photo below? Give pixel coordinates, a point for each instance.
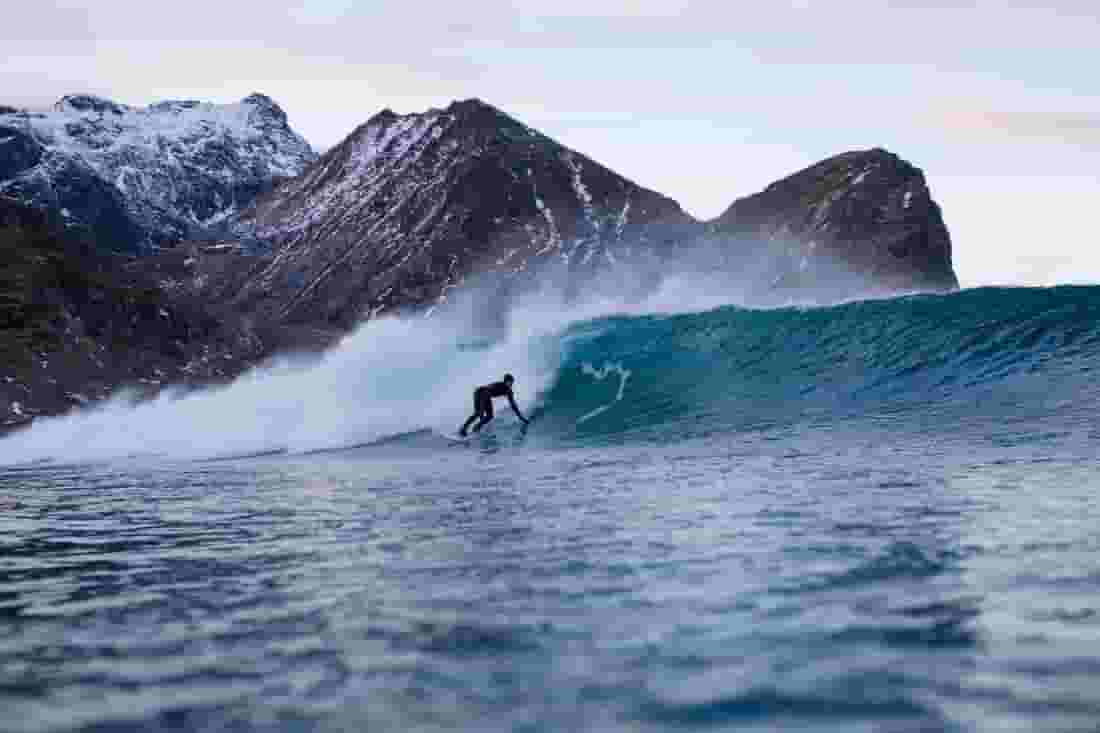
(991, 351)
(933, 362)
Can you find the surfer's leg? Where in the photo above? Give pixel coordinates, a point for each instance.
(486, 414)
(479, 404)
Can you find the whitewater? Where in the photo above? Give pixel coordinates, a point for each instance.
(878, 515)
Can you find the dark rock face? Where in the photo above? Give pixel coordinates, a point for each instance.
(408, 207)
(137, 178)
(76, 324)
(857, 224)
(18, 151)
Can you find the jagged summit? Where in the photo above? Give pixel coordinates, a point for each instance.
(83, 103)
(477, 109)
(471, 103)
(264, 106)
(262, 100)
(137, 177)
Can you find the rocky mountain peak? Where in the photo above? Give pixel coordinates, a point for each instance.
(491, 125)
(85, 104)
(866, 215)
(411, 205)
(471, 104)
(476, 110)
(385, 116)
(266, 106)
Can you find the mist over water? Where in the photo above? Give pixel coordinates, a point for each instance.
(392, 375)
(603, 364)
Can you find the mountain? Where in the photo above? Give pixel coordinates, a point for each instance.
(409, 206)
(859, 223)
(137, 178)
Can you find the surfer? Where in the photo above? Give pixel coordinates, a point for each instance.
(483, 403)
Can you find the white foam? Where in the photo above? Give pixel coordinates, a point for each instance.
(599, 375)
(389, 377)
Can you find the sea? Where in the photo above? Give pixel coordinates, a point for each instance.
(875, 516)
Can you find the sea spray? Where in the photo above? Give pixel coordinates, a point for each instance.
(390, 376)
(724, 370)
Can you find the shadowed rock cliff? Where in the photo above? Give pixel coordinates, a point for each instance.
(858, 224)
(76, 324)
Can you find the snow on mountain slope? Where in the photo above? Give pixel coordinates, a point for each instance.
(408, 207)
(141, 177)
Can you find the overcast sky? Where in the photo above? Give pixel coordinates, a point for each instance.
(998, 102)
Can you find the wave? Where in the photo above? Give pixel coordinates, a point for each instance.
(735, 369)
(600, 373)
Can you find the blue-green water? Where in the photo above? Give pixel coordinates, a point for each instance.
(880, 516)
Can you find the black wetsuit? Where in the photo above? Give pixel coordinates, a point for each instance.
(483, 404)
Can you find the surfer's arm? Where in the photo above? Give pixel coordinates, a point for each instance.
(515, 407)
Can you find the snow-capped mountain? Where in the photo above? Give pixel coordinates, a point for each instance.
(408, 207)
(141, 177)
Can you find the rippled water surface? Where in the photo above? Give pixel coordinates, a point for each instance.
(874, 579)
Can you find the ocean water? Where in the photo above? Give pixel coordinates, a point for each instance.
(879, 516)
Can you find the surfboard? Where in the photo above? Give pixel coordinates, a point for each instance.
(490, 433)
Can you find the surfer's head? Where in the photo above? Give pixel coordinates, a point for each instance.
(509, 379)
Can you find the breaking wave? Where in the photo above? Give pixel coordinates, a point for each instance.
(1019, 350)
(617, 373)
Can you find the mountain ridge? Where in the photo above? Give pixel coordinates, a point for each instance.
(408, 207)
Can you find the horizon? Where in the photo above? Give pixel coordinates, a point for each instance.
(1005, 125)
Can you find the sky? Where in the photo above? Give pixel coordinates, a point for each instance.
(998, 102)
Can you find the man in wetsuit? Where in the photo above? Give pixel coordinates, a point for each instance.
(483, 403)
